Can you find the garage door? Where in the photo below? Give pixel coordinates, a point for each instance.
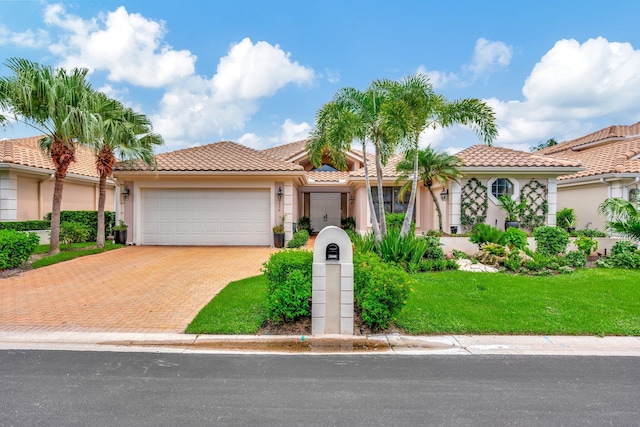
(206, 217)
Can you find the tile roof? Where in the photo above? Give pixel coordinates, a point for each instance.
(388, 170)
(287, 151)
(26, 152)
(327, 176)
(225, 156)
(614, 150)
(487, 157)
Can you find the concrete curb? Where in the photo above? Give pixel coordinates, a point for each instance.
(391, 344)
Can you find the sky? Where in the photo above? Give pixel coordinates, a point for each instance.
(256, 72)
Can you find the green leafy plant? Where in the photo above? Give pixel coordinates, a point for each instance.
(304, 223)
(586, 245)
(407, 250)
(495, 249)
(512, 208)
(348, 223)
(121, 226)
(438, 265)
(515, 238)
(623, 247)
(73, 232)
(26, 225)
(566, 218)
(590, 233)
(513, 261)
(362, 242)
(576, 259)
(16, 247)
(380, 289)
(434, 248)
(299, 239)
(550, 240)
(288, 274)
(89, 219)
(395, 221)
(484, 233)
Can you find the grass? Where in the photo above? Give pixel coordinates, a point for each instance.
(237, 309)
(587, 302)
(68, 252)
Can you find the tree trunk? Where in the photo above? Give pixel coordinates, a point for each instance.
(406, 225)
(372, 209)
(383, 217)
(62, 155)
(435, 200)
(101, 201)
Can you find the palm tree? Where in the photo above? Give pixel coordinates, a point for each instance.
(126, 134)
(420, 108)
(433, 167)
(56, 103)
(623, 217)
(355, 115)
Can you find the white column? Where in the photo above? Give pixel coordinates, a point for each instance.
(455, 206)
(552, 200)
(8, 196)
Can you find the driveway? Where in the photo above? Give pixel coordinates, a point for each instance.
(133, 289)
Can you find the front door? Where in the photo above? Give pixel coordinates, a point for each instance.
(324, 210)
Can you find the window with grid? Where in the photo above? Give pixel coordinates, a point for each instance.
(501, 186)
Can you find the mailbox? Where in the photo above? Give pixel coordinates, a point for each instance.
(333, 252)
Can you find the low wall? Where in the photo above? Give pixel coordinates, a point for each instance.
(463, 244)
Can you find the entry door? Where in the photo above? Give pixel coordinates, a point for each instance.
(325, 210)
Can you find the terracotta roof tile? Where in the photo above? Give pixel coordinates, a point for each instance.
(225, 156)
(388, 171)
(26, 152)
(287, 151)
(609, 133)
(486, 156)
(327, 176)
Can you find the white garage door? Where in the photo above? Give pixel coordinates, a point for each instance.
(206, 217)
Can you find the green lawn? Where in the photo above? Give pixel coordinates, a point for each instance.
(68, 252)
(587, 302)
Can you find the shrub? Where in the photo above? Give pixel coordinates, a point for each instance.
(586, 244)
(289, 286)
(73, 232)
(576, 259)
(537, 262)
(551, 240)
(395, 221)
(407, 251)
(89, 219)
(460, 254)
(434, 250)
(495, 249)
(26, 225)
(628, 260)
(566, 218)
(304, 223)
(348, 223)
(362, 242)
(590, 233)
(300, 238)
(380, 289)
(483, 233)
(515, 238)
(438, 265)
(623, 247)
(513, 261)
(16, 247)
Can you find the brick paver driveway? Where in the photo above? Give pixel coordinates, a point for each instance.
(133, 289)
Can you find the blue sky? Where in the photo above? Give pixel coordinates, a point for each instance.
(256, 72)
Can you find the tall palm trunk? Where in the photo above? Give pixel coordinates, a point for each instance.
(406, 225)
(62, 155)
(383, 217)
(372, 209)
(104, 164)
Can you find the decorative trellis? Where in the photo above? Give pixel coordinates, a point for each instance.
(534, 194)
(474, 204)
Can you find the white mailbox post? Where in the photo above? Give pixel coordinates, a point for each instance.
(332, 300)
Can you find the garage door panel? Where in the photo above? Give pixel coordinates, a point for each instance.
(206, 217)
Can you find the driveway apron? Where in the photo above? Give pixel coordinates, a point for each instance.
(133, 289)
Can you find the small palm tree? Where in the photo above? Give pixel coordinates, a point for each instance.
(55, 103)
(126, 134)
(623, 217)
(433, 167)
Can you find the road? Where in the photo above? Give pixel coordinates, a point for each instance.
(133, 389)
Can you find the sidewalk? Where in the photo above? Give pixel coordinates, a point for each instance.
(391, 344)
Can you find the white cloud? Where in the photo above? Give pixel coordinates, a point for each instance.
(197, 108)
(290, 131)
(128, 46)
(438, 79)
(26, 39)
(489, 56)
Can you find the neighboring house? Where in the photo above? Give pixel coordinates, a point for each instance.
(611, 160)
(27, 178)
(229, 194)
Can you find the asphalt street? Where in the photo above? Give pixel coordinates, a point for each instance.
(132, 389)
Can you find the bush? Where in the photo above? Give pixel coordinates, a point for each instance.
(628, 260)
(89, 219)
(590, 233)
(73, 232)
(407, 251)
(16, 247)
(362, 242)
(566, 218)
(434, 250)
(348, 223)
(576, 259)
(623, 247)
(538, 261)
(395, 221)
(289, 285)
(586, 244)
(551, 240)
(515, 238)
(300, 238)
(304, 223)
(380, 289)
(513, 261)
(26, 225)
(483, 233)
(438, 265)
(495, 249)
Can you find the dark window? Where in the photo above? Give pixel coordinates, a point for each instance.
(392, 201)
(325, 168)
(501, 186)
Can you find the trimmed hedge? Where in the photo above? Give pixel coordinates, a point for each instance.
(90, 219)
(288, 276)
(299, 239)
(16, 247)
(26, 225)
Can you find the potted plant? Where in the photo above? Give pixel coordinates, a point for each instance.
(120, 233)
(304, 223)
(513, 209)
(278, 234)
(566, 218)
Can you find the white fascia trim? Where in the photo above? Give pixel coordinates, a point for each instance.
(595, 179)
(519, 171)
